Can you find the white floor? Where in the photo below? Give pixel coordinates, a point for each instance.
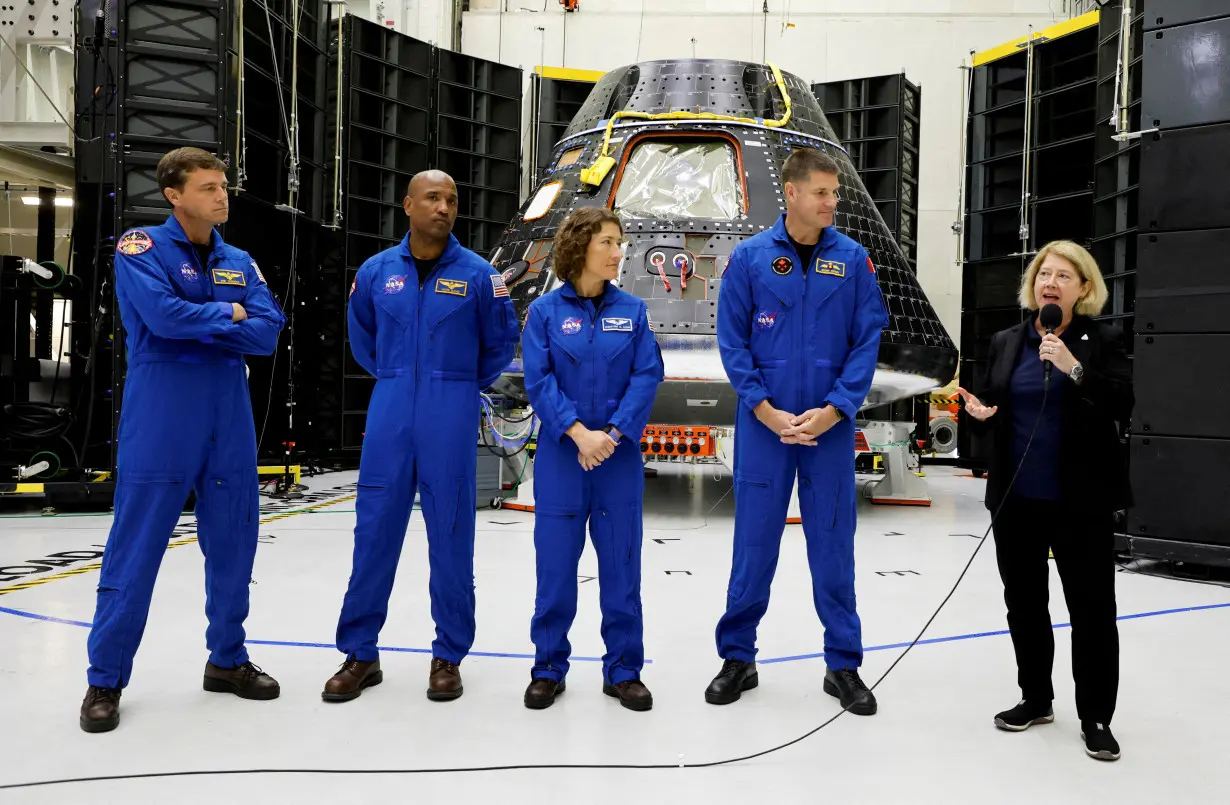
(932, 741)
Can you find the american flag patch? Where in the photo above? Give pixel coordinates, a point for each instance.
(650, 323)
(498, 287)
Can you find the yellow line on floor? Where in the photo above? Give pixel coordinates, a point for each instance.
(25, 585)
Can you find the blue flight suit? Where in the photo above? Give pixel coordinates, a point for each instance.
(432, 350)
(598, 364)
(801, 337)
(185, 423)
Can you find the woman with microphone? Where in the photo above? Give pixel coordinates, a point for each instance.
(1056, 393)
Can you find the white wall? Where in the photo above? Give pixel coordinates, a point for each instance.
(831, 40)
(427, 20)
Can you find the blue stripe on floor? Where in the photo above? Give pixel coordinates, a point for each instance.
(793, 658)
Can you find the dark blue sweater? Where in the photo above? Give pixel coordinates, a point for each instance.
(1039, 476)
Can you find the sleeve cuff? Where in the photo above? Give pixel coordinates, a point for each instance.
(755, 398)
(226, 309)
(842, 405)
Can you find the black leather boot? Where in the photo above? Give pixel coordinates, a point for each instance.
(734, 678)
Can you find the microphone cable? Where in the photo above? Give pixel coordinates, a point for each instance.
(588, 766)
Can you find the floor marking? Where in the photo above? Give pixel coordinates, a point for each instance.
(925, 641)
(77, 571)
(998, 632)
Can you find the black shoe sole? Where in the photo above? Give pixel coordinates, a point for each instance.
(544, 703)
(1004, 725)
(100, 725)
(729, 698)
(445, 697)
(639, 706)
(370, 681)
(858, 709)
(259, 694)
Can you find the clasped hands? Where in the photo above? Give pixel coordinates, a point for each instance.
(804, 429)
(593, 446)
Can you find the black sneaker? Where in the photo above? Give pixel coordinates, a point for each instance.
(1099, 743)
(734, 678)
(1024, 716)
(849, 689)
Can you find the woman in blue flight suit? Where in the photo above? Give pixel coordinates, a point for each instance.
(592, 368)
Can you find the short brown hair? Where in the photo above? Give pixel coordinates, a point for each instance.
(174, 167)
(803, 162)
(1091, 303)
(573, 237)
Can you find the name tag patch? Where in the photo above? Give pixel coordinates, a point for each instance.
(451, 287)
(225, 276)
(831, 267)
(617, 325)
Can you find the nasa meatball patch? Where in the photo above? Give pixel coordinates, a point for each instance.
(189, 272)
(394, 284)
(570, 326)
(134, 243)
(765, 320)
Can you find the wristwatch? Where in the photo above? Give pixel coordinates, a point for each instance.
(1077, 374)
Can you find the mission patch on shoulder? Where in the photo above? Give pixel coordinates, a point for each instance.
(134, 243)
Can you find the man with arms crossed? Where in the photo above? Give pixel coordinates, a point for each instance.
(192, 306)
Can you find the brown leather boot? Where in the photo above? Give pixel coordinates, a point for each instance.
(247, 682)
(100, 710)
(542, 692)
(351, 679)
(632, 694)
(444, 684)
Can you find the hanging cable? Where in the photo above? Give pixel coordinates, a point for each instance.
(241, 127)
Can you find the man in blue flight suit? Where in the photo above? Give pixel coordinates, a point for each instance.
(192, 306)
(433, 322)
(799, 322)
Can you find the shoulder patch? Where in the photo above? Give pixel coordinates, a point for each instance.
(135, 242)
(353, 284)
(259, 275)
(871, 266)
(498, 286)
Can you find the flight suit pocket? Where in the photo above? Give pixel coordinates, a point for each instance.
(754, 496)
(445, 310)
(448, 508)
(618, 353)
(620, 529)
(392, 331)
(818, 501)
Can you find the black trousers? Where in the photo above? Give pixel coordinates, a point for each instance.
(1083, 544)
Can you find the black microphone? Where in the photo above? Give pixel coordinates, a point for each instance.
(1051, 317)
